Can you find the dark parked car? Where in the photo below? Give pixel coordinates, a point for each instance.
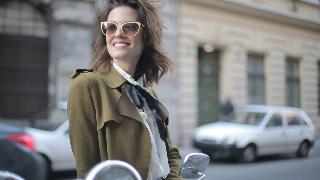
(42, 135)
(16, 158)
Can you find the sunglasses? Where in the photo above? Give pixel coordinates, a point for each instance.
(129, 28)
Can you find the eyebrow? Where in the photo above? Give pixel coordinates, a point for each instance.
(121, 22)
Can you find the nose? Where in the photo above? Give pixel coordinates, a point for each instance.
(119, 33)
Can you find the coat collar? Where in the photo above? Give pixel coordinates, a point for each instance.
(112, 78)
(125, 107)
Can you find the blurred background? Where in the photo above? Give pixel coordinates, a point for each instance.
(263, 52)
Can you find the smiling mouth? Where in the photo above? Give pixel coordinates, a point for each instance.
(120, 44)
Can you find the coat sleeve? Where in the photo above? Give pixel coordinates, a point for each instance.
(83, 131)
(174, 159)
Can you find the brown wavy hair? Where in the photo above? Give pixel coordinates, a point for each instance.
(154, 61)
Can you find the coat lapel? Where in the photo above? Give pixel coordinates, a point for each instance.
(125, 106)
(163, 111)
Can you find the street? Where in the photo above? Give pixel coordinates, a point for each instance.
(276, 168)
(266, 168)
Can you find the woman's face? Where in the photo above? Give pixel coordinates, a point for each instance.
(120, 46)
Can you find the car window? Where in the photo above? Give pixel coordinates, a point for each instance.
(303, 121)
(293, 119)
(55, 118)
(275, 121)
(248, 118)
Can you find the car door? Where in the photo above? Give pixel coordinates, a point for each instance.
(65, 159)
(272, 137)
(293, 130)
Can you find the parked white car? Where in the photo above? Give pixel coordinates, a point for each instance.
(258, 130)
(54, 146)
(48, 137)
(51, 139)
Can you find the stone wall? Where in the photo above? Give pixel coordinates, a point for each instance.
(71, 35)
(237, 34)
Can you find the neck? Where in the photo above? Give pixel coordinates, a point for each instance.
(128, 66)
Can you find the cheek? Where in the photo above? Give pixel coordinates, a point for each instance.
(108, 42)
(139, 43)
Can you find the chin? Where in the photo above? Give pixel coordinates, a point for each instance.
(119, 56)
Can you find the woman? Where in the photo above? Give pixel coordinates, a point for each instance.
(112, 110)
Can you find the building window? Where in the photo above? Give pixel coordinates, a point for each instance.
(208, 84)
(256, 79)
(22, 18)
(24, 49)
(292, 82)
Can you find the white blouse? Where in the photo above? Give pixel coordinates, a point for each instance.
(159, 166)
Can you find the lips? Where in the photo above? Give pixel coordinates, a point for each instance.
(120, 44)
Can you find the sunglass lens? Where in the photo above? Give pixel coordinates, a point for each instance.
(110, 29)
(130, 29)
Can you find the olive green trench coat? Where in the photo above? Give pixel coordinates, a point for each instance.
(105, 125)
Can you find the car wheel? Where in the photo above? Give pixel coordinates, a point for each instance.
(249, 154)
(46, 166)
(304, 149)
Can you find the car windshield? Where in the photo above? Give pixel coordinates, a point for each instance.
(55, 119)
(248, 118)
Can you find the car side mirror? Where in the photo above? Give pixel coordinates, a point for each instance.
(194, 166)
(113, 169)
(6, 175)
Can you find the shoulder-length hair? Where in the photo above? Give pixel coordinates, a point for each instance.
(154, 61)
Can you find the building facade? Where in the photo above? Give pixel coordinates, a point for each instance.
(42, 42)
(249, 51)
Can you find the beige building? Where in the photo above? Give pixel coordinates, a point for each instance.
(249, 51)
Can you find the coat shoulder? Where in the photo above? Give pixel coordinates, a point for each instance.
(84, 77)
(80, 71)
